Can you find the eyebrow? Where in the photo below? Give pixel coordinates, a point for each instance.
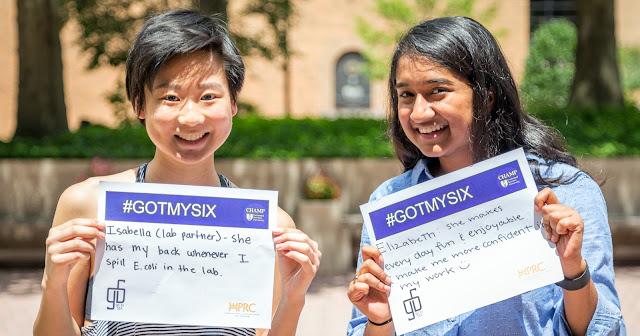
(178, 87)
(430, 81)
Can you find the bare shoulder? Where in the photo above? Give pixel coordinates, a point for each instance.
(81, 199)
(284, 220)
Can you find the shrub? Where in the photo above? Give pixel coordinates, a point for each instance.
(601, 132)
(252, 137)
(550, 66)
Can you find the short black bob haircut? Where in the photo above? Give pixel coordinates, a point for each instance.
(177, 33)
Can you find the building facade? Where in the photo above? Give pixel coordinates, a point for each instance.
(324, 82)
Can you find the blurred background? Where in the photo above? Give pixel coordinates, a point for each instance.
(311, 114)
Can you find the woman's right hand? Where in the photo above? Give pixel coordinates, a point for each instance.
(67, 244)
(368, 292)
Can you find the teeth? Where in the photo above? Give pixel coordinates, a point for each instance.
(430, 129)
(191, 137)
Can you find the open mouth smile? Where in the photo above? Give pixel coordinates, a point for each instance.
(431, 129)
(191, 137)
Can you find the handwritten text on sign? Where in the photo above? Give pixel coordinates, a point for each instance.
(188, 257)
(472, 229)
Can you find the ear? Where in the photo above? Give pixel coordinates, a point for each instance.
(139, 113)
(234, 108)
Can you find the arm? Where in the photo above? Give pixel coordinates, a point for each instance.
(298, 259)
(581, 232)
(70, 247)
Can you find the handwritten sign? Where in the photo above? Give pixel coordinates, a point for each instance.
(187, 255)
(462, 241)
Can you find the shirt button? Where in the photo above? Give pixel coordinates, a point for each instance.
(452, 319)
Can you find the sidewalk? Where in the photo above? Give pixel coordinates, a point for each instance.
(326, 312)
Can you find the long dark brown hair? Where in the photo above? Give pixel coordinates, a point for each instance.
(466, 48)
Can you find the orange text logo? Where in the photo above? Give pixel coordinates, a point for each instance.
(241, 307)
(531, 270)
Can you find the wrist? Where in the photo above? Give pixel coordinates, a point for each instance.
(573, 269)
(578, 282)
(379, 324)
(292, 301)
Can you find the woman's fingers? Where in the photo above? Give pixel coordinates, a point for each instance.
(82, 228)
(545, 196)
(373, 282)
(313, 255)
(559, 220)
(370, 268)
(372, 252)
(73, 241)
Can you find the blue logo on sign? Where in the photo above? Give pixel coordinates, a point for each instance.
(255, 213)
(412, 305)
(115, 296)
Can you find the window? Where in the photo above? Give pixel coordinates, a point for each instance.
(544, 10)
(352, 83)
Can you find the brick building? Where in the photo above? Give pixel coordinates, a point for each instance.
(326, 44)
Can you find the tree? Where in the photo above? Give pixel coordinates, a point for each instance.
(41, 107)
(108, 27)
(597, 78)
(398, 16)
(279, 15)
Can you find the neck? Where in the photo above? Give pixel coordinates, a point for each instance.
(445, 166)
(203, 173)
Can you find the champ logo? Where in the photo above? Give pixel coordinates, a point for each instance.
(509, 178)
(255, 213)
(115, 296)
(412, 305)
(242, 307)
(531, 270)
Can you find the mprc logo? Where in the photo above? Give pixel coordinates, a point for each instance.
(115, 296)
(531, 270)
(412, 305)
(242, 307)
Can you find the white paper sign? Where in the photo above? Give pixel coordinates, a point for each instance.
(189, 255)
(462, 241)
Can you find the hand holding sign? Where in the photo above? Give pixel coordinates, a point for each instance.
(563, 226)
(67, 244)
(298, 260)
(476, 224)
(206, 253)
(368, 292)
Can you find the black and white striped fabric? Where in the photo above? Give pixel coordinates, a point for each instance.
(117, 328)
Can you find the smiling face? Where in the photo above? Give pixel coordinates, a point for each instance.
(435, 109)
(189, 108)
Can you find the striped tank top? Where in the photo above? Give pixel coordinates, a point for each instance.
(118, 328)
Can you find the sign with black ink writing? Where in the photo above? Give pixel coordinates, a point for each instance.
(462, 241)
(189, 255)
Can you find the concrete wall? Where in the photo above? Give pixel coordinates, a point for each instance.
(29, 190)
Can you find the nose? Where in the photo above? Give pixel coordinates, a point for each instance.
(422, 110)
(190, 115)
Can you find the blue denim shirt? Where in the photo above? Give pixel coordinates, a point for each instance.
(540, 311)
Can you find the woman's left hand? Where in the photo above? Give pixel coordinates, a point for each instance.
(565, 228)
(298, 259)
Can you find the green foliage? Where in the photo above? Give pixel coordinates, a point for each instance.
(550, 65)
(603, 132)
(252, 137)
(400, 15)
(629, 58)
